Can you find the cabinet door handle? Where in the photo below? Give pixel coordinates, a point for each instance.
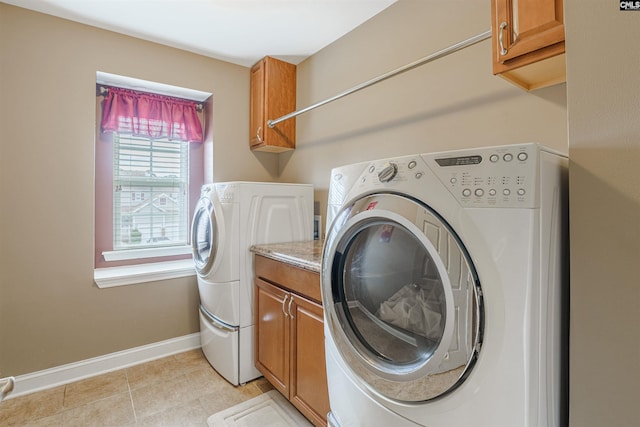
(289, 308)
(258, 134)
(284, 301)
(503, 50)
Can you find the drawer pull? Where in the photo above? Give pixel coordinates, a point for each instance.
(289, 308)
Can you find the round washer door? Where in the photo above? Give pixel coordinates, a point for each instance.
(204, 236)
(403, 300)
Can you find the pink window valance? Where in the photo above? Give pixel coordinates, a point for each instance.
(150, 115)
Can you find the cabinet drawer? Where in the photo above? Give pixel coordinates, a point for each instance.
(298, 280)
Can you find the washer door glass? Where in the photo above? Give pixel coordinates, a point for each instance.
(204, 236)
(402, 296)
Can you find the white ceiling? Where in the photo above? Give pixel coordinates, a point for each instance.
(237, 31)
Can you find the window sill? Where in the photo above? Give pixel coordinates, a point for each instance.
(133, 274)
(146, 253)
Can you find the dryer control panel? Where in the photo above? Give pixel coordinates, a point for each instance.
(502, 176)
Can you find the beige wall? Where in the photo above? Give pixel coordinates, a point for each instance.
(51, 312)
(452, 103)
(604, 146)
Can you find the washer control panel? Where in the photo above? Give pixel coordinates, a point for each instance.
(489, 177)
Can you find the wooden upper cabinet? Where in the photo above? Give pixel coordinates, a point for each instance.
(528, 42)
(273, 94)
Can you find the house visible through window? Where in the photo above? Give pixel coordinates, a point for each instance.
(149, 170)
(151, 192)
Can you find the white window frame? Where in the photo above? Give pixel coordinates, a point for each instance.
(105, 277)
(144, 250)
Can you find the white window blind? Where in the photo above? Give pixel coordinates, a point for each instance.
(150, 193)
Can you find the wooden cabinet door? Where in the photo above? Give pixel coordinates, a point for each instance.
(528, 26)
(256, 114)
(273, 94)
(272, 334)
(528, 41)
(309, 391)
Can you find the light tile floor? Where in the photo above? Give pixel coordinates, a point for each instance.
(179, 390)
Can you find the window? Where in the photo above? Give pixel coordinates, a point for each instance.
(151, 192)
(148, 172)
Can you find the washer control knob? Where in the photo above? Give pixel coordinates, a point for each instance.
(523, 156)
(508, 157)
(466, 192)
(412, 164)
(388, 172)
(479, 192)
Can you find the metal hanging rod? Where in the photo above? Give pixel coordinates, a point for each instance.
(436, 55)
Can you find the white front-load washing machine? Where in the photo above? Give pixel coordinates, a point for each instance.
(229, 218)
(444, 284)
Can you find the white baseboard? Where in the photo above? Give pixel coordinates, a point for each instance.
(71, 372)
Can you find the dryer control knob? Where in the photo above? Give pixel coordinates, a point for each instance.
(388, 172)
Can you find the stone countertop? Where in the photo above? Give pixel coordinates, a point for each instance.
(306, 255)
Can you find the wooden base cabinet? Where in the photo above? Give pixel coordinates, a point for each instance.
(290, 336)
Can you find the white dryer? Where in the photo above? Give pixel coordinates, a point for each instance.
(444, 285)
(229, 218)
